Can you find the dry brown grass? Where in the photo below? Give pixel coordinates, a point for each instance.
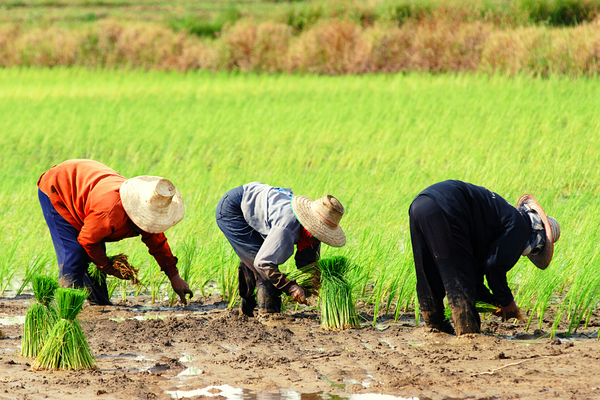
(330, 47)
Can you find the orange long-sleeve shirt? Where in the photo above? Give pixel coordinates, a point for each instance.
(86, 194)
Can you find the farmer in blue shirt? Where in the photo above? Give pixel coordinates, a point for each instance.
(263, 224)
(460, 233)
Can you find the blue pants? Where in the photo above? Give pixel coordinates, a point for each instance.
(73, 260)
(246, 243)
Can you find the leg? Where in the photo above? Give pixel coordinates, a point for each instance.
(430, 288)
(72, 258)
(449, 249)
(245, 241)
(247, 284)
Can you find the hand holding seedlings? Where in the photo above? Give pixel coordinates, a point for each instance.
(181, 288)
(509, 311)
(297, 294)
(122, 269)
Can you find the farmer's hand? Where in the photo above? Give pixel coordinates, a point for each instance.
(297, 294)
(509, 311)
(110, 270)
(181, 288)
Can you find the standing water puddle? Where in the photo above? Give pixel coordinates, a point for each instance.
(233, 393)
(13, 320)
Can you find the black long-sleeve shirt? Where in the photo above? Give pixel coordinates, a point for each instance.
(498, 231)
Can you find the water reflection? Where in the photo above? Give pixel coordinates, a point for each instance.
(233, 393)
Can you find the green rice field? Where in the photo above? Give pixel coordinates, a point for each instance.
(373, 141)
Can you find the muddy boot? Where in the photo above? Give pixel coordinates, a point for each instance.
(247, 306)
(465, 321)
(436, 322)
(269, 298)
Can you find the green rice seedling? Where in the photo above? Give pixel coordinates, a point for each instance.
(307, 277)
(66, 347)
(480, 306)
(337, 306)
(40, 317)
(33, 268)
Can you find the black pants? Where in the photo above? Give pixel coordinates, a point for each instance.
(445, 265)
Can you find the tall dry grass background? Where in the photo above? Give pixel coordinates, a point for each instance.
(331, 46)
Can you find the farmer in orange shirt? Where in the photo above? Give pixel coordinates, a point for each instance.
(87, 204)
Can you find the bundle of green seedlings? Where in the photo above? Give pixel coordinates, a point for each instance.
(480, 306)
(337, 306)
(66, 347)
(120, 263)
(307, 277)
(41, 316)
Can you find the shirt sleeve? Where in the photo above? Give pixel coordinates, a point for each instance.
(504, 254)
(159, 248)
(95, 228)
(276, 249)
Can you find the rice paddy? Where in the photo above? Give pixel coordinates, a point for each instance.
(373, 141)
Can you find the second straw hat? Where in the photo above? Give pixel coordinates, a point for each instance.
(153, 203)
(321, 218)
(552, 228)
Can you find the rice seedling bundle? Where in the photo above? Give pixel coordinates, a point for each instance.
(307, 277)
(337, 306)
(66, 347)
(480, 306)
(127, 271)
(41, 316)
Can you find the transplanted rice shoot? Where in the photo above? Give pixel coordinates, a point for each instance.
(66, 347)
(337, 306)
(40, 317)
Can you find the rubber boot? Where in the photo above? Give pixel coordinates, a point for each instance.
(437, 322)
(247, 306)
(269, 298)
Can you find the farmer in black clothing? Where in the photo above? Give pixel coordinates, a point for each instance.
(461, 232)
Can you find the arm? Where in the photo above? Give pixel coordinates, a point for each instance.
(308, 256)
(160, 250)
(503, 255)
(277, 248)
(95, 229)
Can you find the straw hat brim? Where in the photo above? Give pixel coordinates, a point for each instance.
(543, 258)
(333, 236)
(147, 218)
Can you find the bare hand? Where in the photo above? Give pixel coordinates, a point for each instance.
(297, 294)
(509, 311)
(181, 288)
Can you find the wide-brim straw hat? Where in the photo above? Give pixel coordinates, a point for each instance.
(543, 258)
(321, 218)
(153, 203)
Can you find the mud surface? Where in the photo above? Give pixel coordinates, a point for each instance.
(148, 352)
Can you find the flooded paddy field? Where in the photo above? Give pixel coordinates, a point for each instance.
(204, 350)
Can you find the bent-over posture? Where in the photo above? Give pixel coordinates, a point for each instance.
(460, 233)
(87, 204)
(263, 224)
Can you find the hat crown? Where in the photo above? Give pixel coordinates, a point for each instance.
(555, 228)
(330, 209)
(152, 203)
(162, 194)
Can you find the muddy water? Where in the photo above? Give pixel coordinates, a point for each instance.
(149, 351)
